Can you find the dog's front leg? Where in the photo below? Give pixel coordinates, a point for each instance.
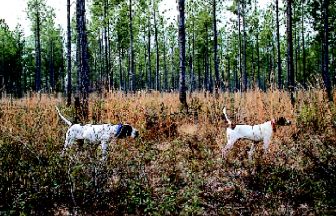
(231, 139)
(228, 146)
(68, 142)
(104, 146)
(250, 153)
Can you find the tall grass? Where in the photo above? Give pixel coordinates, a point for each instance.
(175, 167)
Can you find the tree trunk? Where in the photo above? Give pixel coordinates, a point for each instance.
(244, 75)
(206, 77)
(252, 68)
(132, 70)
(290, 65)
(69, 86)
(278, 45)
(193, 82)
(157, 68)
(303, 49)
(149, 56)
(258, 61)
(325, 71)
(235, 76)
(199, 73)
(239, 43)
(106, 85)
(217, 82)
(51, 67)
(145, 78)
(37, 51)
(83, 60)
(120, 66)
(228, 74)
(172, 69)
(165, 65)
(181, 35)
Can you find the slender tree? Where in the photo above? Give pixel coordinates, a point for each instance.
(34, 7)
(106, 44)
(278, 45)
(181, 35)
(303, 48)
(244, 75)
(217, 82)
(69, 87)
(290, 65)
(240, 43)
(132, 68)
(157, 68)
(325, 71)
(149, 72)
(83, 63)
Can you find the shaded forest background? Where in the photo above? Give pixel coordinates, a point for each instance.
(234, 45)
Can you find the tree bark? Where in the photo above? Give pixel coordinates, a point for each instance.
(106, 49)
(244, 75)
(69, 84)
(38, 50)
(157, 68)
(325, 71)
(132, 68)
(149, 56)
(120, 66)
(278, 45)
(303, 48)
(290, 65)
(83, 60)
(217, 82)
(240, 45)
(206, 76)
(181, 35)
(165, 65)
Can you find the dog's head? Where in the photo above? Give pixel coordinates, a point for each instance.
(127, 131)
(282, 121)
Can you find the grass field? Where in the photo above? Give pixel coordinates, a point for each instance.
(175, 167)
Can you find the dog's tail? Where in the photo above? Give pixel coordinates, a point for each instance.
(63, 118)
(227, 119)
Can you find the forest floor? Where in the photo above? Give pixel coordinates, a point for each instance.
(175, 167)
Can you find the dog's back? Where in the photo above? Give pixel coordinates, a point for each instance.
(255, 132)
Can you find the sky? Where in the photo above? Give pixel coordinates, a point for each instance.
(14, 11)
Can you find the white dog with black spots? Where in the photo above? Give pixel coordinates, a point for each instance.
(96, 134)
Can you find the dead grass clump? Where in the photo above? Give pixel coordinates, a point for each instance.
(176, 166)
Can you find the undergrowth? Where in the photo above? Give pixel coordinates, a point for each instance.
(175, 167)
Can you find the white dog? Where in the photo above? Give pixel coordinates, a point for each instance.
(261, 132)
(96, 134)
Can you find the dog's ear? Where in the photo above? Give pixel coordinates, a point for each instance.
(126, 131)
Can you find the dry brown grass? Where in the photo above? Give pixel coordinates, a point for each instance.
(177, 160)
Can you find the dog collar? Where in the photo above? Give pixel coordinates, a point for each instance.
(118, 132)
(273, 125)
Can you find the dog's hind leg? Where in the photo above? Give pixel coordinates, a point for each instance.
(266, 144)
